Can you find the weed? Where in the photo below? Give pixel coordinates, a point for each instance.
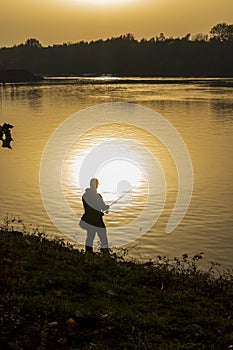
(56, 297)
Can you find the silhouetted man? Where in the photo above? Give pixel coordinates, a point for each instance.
(92, 219)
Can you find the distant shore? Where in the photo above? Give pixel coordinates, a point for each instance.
(17, 76)
(22, 76)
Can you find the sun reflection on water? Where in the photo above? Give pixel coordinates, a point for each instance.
(123, 173)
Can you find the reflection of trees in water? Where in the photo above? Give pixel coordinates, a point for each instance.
(34, 97)
(222, 111)
(32, 94)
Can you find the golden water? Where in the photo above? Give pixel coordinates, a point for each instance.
(202, 114)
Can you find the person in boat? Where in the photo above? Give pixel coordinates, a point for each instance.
(92, 219)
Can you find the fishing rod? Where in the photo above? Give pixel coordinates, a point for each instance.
(121, 196)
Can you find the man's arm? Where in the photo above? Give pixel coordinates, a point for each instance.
(102, 204)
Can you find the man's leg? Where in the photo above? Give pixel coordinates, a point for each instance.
(90, 239)
(102, 233)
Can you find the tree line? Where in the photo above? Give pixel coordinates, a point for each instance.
(200, 55)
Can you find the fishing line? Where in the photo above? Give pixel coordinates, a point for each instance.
(120, 197)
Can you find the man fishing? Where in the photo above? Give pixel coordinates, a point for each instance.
(92, 219)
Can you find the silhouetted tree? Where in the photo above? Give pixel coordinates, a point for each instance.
(152, 40)
(186, 37)
(129, 37)
(222, 32)
(200, 37)
(161, 37)
(125, 55)
(33, 43)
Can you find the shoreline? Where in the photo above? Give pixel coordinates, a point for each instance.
(56, 297)
(120, 80)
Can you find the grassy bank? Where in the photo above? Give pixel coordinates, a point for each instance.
(56, 297)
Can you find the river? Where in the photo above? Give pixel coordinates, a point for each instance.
(201, 110)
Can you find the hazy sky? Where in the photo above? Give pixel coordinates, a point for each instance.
(59, 21)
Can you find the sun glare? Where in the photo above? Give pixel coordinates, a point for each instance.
(119, 176)
(103, 2)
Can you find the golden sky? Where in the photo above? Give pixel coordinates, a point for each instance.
(59, 21)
